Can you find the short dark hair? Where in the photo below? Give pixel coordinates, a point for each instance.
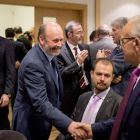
(93, 35)
(17, 29)
(69, 27)
(105, 61)
(9, 32)
(28, 34)
(41, 31)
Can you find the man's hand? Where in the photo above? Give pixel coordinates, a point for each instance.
(4, 100)
(103, 54)
(17, 64)
(117, 79)
(86, 128)
(77, 132)
(82, 56)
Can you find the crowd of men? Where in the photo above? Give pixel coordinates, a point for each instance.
(85, 91)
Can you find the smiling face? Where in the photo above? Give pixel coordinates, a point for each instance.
(53, 40)
(102, 76)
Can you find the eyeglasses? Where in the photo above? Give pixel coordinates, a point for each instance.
(121, 40)
(79, 33)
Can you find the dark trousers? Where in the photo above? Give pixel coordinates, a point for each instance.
(4, 121)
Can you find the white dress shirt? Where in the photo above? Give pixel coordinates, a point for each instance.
(82, 66)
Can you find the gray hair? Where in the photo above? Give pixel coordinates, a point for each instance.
(103, 31)
(69, 27)
(121, 22)
(135, 31)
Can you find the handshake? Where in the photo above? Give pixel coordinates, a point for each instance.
(80, 131)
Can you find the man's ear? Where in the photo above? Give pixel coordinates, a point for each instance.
(69, 34)
(113, 76)
(41, 40)
(91, 73)
(137, 44)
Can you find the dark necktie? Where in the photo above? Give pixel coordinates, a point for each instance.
(56, 77)
(121, 110)
(81, 77)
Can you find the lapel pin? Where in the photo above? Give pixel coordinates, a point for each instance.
(107, 100)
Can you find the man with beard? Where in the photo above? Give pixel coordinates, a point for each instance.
(100, 104)
(75, 65)
(40, 89)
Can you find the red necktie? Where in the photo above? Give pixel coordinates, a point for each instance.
(121, 110)
(82, 80)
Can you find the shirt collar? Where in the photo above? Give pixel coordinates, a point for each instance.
(71, 46)
(139, 66)
(47, 55)
(103, 94)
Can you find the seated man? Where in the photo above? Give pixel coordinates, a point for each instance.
(100, 104)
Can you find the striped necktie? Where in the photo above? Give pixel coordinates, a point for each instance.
(81, 77)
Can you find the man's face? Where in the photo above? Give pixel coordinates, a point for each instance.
(102, 77)
(128, 46)
(31, 32)
(115, 33)
(77, 34)
(53, 41)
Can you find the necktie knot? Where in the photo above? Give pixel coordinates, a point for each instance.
(96, 98)
(136, 72)
(75, 48)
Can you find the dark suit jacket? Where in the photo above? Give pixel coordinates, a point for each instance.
(107, 110)
(121, 68)
(129, 129)
(102, 43)
(26, 42)
(35, 105)
(69, 70)
(7, 66)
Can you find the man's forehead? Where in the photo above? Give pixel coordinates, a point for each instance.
(126, 31)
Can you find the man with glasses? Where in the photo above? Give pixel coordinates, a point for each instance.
(75, 65)
(123, 69)
(127, 122)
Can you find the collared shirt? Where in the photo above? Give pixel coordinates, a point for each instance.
(137, 78)
(102, 96)
(82, 66)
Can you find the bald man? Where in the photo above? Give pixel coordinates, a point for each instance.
(31, 31)
(40, 88)
(103, 43)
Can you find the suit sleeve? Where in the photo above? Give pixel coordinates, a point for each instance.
(23, 52)
(117, 57)
(67, 71)
(9, 68)
(102, 130)
(36, 87)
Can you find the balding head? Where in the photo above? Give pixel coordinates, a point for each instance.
(103, 30)
(50, 37)
(31, 31)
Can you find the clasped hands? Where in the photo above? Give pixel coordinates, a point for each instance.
(80, 131)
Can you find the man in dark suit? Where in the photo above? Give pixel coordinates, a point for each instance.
(129, 109)
(75, 65)
(40, 88)
(21, 38)
(103, 43)
(20, 51)
(122, 68)
(7, 79)
(108, 104)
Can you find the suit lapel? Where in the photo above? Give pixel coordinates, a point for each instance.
(68, 52)
(46, 63)
(131, 101)
(105, 103)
